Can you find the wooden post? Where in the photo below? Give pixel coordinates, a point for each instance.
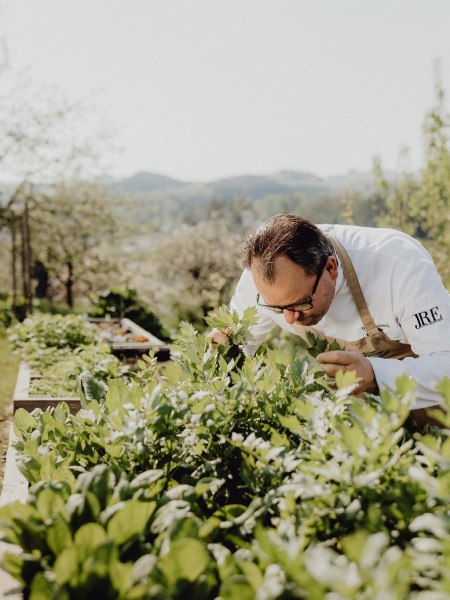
(12, 227)
(26, 257)
(69, 283)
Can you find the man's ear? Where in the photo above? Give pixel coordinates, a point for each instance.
(332, 267)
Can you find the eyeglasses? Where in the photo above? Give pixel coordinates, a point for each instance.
(306, 305)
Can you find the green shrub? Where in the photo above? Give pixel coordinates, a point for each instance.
(56, 331)
(9, 314)
(58, 348)
(125, 303)
(217, 480)
(43, 305)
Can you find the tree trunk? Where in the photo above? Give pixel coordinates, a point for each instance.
(69, 284)
(26, 258)
(12, 227)
(39, 272)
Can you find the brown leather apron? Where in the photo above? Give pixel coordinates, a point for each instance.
(376, 343)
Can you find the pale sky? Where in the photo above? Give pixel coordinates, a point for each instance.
(201, 89)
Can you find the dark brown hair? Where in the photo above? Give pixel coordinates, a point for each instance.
(290, 235)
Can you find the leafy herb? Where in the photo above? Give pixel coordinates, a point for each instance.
(58, 349)
(318, 345)
(207, 480)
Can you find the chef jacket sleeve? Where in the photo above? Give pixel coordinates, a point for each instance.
(422, 308)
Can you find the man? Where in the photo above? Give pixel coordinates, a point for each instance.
(375, 291)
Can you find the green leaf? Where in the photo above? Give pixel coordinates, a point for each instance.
(373, 550)
(82, 508)
(187, 559)
(66, 565)
(291, 422)
(22, 567)
(53, 423)
(90, 388)
(208, 484)
(405, 385)
(22, 422)
(12, 510)
(353, 437)
(58, 535)
(88, 537)
(50, 503)
(188, 527)
(278, 439)
(209, 526)
(353, 544)
(443, 387)
(100, 481)
(229, 512)
(143, 567)
(115, 450)
(146, 479)
(119, 394)
(252, 573)
(316, 344)
(238, 329)
(121, 576)
(130, 521)
(334, 346)
(114, 396)
(64, 474)
(345, 379)
(42, 589)
(236, 587)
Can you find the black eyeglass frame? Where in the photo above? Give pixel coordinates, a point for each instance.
(304, 306)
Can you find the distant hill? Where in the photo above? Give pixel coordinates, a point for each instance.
(247, 186)
(161, 202)
(251, 186)
(146, 182)
(294, 178)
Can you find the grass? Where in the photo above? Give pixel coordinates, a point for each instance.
(9, 365)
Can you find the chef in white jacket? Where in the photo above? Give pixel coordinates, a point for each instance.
(375, 291)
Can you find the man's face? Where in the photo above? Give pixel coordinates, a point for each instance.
(292, 286)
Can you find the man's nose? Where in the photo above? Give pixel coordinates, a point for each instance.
(290, 316)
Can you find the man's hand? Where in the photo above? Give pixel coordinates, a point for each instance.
(349, 360)
(218, 337)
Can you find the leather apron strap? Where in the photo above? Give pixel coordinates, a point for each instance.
(354, 286)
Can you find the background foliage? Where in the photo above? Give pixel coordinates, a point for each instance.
(176, 243)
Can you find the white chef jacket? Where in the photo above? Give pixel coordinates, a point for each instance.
(404, 294)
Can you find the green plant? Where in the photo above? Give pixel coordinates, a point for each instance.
(213, 479)
(10, 314)
(317, 345)
(56, 331)
(44, 305)
(58, 348)
(125, 303)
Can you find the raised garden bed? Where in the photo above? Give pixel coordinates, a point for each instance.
(23, 399)
(14, 487)
(129, 340)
